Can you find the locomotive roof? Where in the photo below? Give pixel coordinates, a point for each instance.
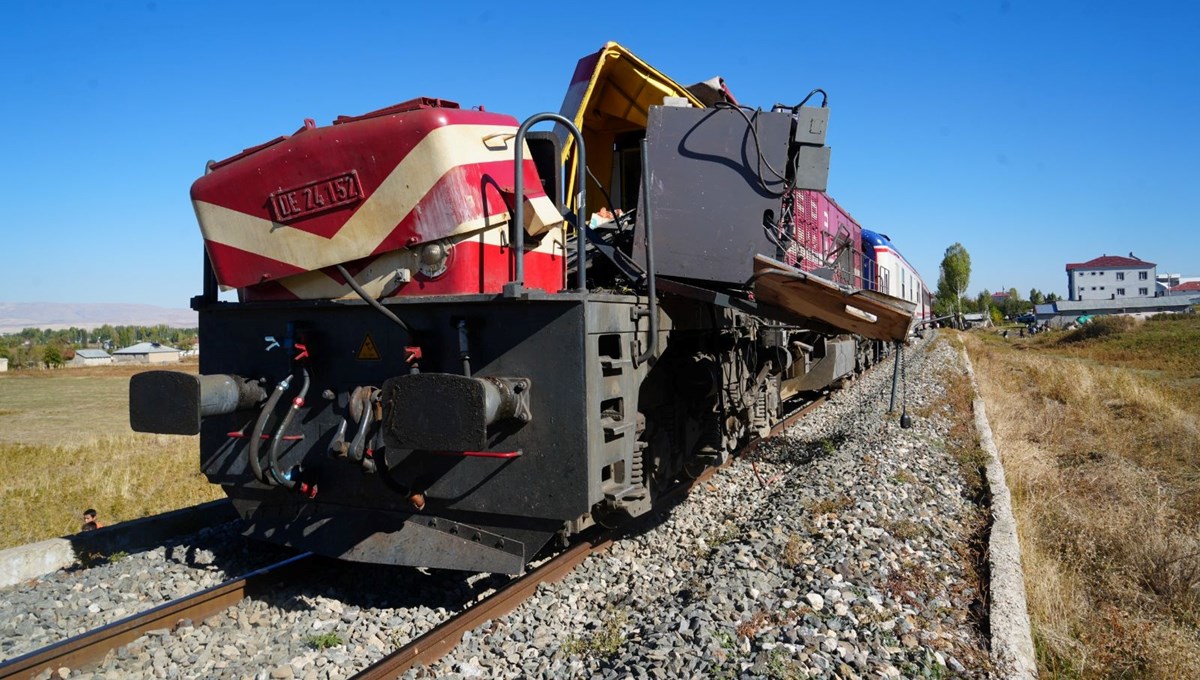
(876, 238)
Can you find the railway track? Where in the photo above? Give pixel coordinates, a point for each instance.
(438, 642)
(91, 647)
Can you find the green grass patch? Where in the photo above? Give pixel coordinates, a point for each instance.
(1165, 344)
(605, 641)
(322, 641)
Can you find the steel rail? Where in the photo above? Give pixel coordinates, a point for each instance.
(442, 639)
(91, 647)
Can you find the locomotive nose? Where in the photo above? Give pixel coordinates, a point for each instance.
(171, 402)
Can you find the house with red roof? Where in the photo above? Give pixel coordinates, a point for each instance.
(1187, 288)
(1110, 277)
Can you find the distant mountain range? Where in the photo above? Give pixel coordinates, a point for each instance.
(16, 316)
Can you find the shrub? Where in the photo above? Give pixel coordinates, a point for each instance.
(1100, 327)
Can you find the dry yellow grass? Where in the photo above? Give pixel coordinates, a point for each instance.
(1102, 458)
(66, 445)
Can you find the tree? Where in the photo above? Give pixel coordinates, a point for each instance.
(983, 302)
(1052, 297)
(955, 274)
(1013, 304)
(126, 336)
(1036, 297)
(52, 356)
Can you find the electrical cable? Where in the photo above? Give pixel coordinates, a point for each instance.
(824, 98)
(753, 126)
(370, 300)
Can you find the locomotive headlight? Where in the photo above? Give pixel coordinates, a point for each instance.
(434, 258)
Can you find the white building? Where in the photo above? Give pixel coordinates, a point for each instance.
(1111, 277)
(147, 353)
(1169, 282)
(3, 364)
(91, 357)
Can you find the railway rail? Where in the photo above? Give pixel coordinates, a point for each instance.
(90, 647)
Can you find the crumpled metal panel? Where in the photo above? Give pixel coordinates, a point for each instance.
(870, 314)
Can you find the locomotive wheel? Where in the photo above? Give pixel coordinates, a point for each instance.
(609, 516)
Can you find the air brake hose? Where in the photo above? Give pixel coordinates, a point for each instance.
(358, 444)
(260, 425)
(273, 456)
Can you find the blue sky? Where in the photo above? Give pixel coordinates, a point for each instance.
(1034, 133)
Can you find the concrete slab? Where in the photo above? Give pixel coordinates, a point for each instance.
(1012, 636)
(38, 559)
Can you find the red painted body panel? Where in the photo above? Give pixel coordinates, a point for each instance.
(319, 178)
(820, 226)
(373, 147)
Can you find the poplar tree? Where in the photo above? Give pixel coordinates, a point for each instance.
(955, 274)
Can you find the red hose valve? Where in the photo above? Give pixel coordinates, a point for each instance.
(303, 352)
(412, 354)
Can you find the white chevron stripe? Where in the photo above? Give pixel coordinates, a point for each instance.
(378, 277)
(440, 151)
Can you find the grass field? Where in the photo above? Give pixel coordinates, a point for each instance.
(66, 445)
(1098, 430)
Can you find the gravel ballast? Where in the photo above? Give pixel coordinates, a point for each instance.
(854, 560)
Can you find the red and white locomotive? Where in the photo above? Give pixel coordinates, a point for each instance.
(437, 360)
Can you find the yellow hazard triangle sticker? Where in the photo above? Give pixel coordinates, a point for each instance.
(368, 351)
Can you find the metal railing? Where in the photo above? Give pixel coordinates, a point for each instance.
(517, 285)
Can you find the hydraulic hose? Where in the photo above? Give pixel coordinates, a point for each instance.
(297, 402)
(260, 425)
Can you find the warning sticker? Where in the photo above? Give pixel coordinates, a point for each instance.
(368, 351)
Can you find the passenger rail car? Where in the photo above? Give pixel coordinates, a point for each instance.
(885, 270)
(436, 360)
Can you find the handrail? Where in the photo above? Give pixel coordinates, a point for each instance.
(519, 208)
(644, 218)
